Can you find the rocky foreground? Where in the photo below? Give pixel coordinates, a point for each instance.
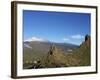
(58, 58)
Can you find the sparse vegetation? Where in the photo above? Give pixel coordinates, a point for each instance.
(55, 56)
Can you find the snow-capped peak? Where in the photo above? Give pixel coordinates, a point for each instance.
(36, 39)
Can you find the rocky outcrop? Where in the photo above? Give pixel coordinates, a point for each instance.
(56, 57)
(84, 52)
(87, 41)
(79, 57)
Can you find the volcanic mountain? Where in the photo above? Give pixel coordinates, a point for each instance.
(45, 54)
(36, 48)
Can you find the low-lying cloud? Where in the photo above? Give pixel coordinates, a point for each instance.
(78, 36)
(65, 39)
(35, 39)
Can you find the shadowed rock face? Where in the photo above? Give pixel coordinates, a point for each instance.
(53, 49)
(87, 40)
(57, 57)
(84, 51)
(79, 57)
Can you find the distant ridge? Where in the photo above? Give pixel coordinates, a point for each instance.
(79, 56)
(51, 55)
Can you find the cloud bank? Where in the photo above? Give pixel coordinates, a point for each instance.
(35, 39)
(78, 36)
(65, 39)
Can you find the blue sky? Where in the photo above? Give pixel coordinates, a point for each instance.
(62, 27)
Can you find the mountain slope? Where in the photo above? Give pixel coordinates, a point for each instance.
(51, 55)
(79, 56)
(36, 50)
(84, 52)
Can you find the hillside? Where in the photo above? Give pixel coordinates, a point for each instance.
(37, 50)
(50, 55)
(84, 52)
(78, 57)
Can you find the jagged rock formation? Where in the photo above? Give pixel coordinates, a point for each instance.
(56, 57)
(87, 41)
(84, 52)
(79, 57)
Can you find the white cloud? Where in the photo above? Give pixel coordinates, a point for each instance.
(65, 39)
(78, 36)
(35, 39)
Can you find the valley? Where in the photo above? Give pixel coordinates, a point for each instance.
(37, 54)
